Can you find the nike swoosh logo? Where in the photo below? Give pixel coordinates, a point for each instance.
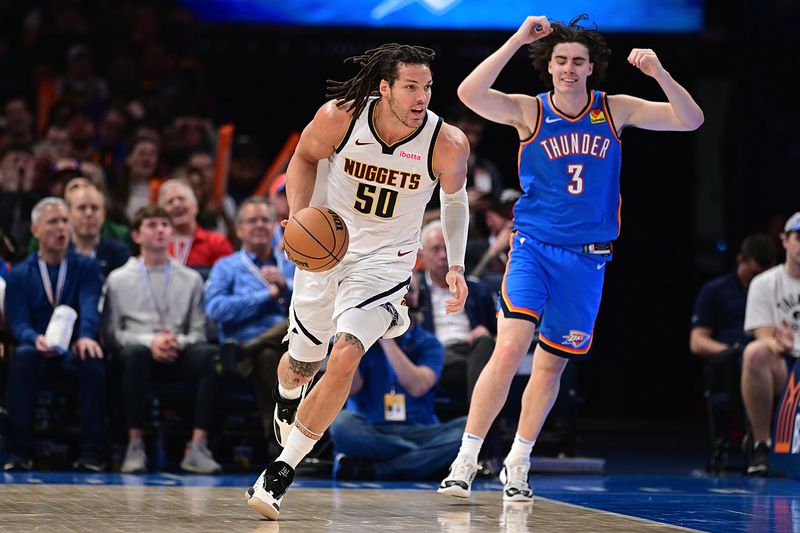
(549, 120)
(359, 143)
(401, 254)
(600, 266)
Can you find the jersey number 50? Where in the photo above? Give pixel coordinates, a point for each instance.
(374, 200)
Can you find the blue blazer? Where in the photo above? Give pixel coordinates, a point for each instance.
(28, 310)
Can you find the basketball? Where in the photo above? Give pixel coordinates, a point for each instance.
(315, 239)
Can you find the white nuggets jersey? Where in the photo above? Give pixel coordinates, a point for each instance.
(381, 190)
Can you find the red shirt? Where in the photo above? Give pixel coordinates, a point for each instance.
(206, 248)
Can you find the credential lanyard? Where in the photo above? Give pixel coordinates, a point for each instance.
(54, 299)
(159, 304)
(182, 255)
(253, 268)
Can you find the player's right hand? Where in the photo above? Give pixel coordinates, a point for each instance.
(533, 29)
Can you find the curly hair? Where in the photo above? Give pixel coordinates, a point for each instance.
(377, 64)
(541, 51)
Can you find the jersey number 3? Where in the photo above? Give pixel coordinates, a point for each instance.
(378, 201)
(575, 185)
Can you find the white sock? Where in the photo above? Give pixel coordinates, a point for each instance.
(470, 448)
(297, 447)
(520, 450)
(289, 394)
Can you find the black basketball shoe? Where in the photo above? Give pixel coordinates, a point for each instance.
(267, 492)
(285, 411)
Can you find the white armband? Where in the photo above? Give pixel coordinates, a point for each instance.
(455, 223)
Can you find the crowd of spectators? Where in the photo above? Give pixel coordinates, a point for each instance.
(110, 209)
(109, 205)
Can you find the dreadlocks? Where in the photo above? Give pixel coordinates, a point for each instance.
(377, 64)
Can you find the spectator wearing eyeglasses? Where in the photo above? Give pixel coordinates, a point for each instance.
(247, 296)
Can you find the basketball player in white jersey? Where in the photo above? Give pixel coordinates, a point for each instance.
(383, 154)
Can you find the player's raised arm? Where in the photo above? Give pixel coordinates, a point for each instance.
(679, 113)
(476, 92)
(317, 142)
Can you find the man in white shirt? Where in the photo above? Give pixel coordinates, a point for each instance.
(772, 316)
(467, 335)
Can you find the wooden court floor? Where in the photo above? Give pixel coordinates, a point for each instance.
(101, 508)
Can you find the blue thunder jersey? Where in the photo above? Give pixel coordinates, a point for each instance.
(569, 175)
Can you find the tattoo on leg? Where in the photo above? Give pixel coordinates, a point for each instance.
(300, 368)
(349, 339)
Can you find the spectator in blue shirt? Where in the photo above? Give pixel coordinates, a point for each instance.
(248, 291)
(55, 276)
(717, 333)
(389, 429)
(247, 296)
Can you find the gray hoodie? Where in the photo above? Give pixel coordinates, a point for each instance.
(134, 308)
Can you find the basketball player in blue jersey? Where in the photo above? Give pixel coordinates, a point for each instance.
(569, 164)
(374, 154)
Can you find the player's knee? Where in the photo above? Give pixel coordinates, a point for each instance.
(544, 361)
(507, 354)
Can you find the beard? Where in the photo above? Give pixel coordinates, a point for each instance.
(402, 116)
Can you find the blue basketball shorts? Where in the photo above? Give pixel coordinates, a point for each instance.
(557, 288)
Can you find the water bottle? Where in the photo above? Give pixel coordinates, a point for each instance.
(59, 329)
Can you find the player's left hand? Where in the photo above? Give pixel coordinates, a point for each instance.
(458, 288)
(646, 60)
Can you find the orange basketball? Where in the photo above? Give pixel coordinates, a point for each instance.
(315, 239)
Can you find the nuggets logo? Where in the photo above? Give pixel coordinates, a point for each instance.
(576, 338)
(382, 175)
(596, 116)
